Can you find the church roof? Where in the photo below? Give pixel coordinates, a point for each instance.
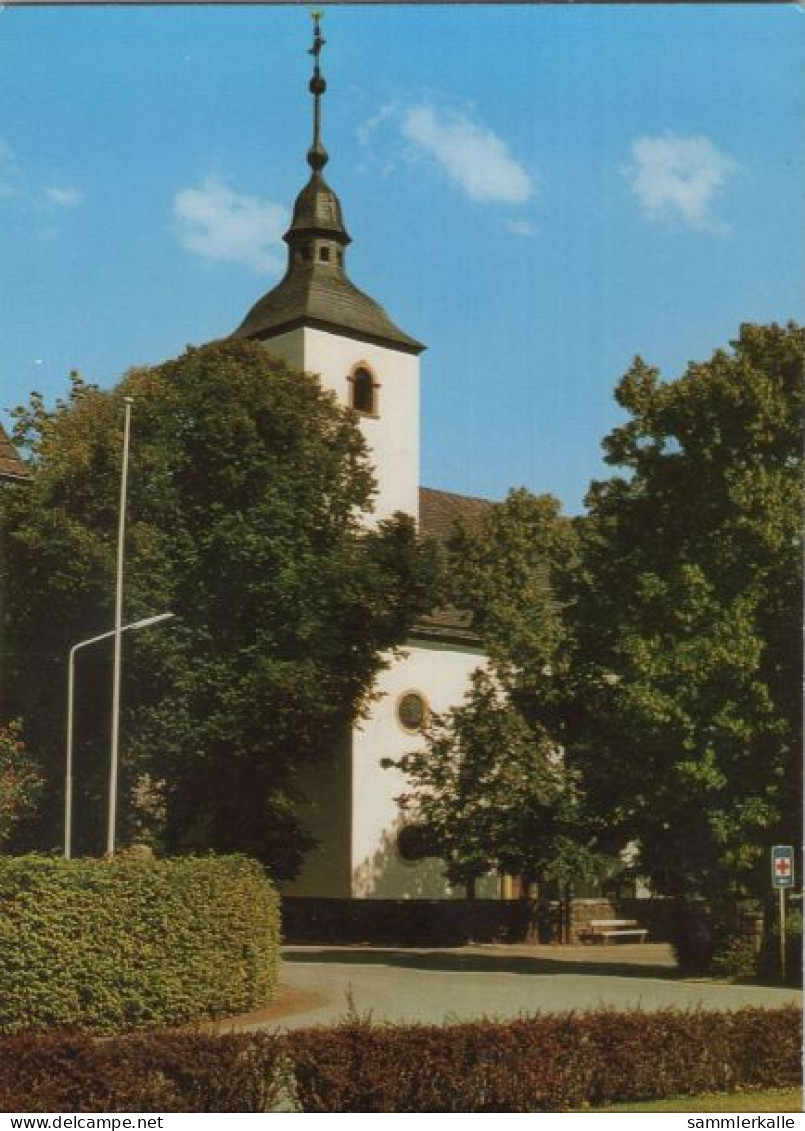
(439, 512)
(321, 295)
(315, 290)
(11, 466)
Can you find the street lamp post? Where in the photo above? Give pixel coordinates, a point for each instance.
(121, 536)
(68, 780)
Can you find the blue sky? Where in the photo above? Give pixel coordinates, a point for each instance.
(538, 193)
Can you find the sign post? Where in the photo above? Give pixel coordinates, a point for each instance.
(782, 877)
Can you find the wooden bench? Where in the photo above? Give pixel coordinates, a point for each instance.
(602, 930)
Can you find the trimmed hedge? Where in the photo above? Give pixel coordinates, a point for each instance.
(130, 943)
(545, 1063)
(160, 1072)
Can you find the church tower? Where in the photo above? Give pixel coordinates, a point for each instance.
(320, 322)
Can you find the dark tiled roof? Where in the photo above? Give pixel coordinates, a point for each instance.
(317, 209)
(321, 295)
(11, 466)
(439, 511)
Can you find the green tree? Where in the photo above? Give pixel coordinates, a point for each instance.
(491, 792)
(493, 787)
(687, 664)
(248, 488)
(510, 571)
(20, 780)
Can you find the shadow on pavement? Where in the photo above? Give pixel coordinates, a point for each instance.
(475, 963)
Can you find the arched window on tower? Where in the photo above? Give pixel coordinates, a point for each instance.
(364, 391)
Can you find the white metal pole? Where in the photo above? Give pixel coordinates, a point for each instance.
(121, 534)
(68, 773)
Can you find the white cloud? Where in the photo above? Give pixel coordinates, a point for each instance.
(371, 125)
(63, 196)
(216, 222)
(678, 178)
(474, 157)
(521, 227)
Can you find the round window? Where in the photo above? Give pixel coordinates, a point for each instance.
(412, 711)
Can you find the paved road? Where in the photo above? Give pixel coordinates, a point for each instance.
(497, 981)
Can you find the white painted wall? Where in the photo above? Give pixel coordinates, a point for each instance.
(440, 673)
(352, 805)
(392, 436)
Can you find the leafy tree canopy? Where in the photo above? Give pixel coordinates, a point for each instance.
(248, 489)
(508, 570)
(491, 791)
(687, 667)
(653, 642)
(492, 787)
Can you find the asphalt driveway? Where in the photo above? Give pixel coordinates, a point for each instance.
(322, 984)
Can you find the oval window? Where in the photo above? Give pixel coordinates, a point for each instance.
(412, 711)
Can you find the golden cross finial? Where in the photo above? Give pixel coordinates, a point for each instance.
(318, 39)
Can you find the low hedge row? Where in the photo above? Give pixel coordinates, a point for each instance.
(545, 1063)
(129, 943)
(155, 1072)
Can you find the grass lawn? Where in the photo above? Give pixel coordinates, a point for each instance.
(773, 1100)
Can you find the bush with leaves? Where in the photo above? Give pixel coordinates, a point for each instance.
(20, 779)
(769, 960)
(131, 942)
(544, 1063)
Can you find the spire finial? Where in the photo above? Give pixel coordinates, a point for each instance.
(317, 156)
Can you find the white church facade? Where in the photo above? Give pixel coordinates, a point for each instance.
(321, 323)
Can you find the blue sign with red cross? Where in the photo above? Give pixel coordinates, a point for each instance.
(782, 866)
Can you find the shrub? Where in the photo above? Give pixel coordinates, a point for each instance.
(132, 943)
(734, 956)
(769, 964)
(544, 1063)
(20, 780)
(547, 1063)
(160, 1072)
(693, 938)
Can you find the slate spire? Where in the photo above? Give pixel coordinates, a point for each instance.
(315, 290)
(317, 212)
